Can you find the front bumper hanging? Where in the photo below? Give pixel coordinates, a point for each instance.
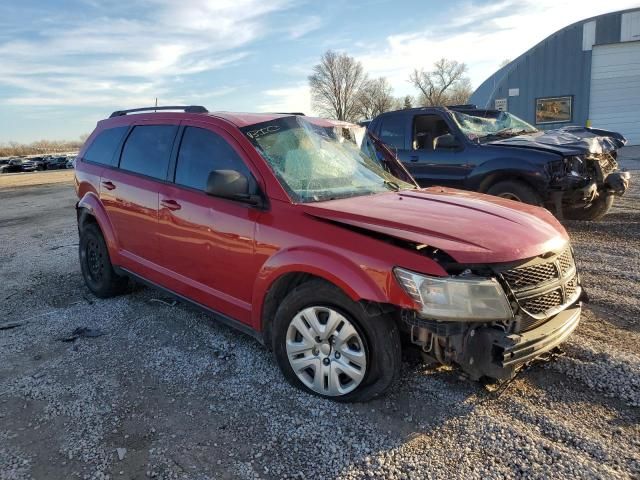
(496, 354)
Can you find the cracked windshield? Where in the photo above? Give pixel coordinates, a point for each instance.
(320, 161)
(500, 125)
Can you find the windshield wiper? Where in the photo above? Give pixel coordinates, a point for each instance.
(392, 185)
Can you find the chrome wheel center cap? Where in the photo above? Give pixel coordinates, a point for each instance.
(325, 348)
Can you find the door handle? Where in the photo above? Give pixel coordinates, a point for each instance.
(414, 158)
(108, 185)
(170, 204)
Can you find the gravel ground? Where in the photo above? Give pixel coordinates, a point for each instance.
(168, 393)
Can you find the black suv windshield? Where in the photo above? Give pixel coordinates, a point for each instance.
(316, 160)
(500, 124)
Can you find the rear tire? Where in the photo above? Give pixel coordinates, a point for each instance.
(97, 270)
(594, 211)
(357, 361)
(515, 190)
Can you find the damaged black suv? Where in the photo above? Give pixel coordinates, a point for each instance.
(572, 171)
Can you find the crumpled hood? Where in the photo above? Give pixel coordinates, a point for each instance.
(470, 227)
(567, 141)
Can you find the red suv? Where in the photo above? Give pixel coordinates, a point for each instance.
(325, 250)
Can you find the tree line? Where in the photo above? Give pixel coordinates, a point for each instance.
(41, 147)
(341, 89)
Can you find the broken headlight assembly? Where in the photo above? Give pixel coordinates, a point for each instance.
(575, 166)
(475, 299)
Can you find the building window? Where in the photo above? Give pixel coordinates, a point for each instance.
(554, 109)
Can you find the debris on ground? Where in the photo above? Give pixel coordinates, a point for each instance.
(10, 325)
(85, 332)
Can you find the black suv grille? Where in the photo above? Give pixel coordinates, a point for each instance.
(607, 163)
(543, 286)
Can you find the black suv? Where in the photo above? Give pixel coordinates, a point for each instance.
(572, 170)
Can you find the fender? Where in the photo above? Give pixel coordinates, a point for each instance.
(89, 204)
(335, 268)
(483, 176)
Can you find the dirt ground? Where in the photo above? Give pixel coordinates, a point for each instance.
(166, 392)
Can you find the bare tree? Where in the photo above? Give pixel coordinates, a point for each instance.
(375, 97)
(460, 93)
(435, 86)
(335, 84)
(39, 147)
(407, 102)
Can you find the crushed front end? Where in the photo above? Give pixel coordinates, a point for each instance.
(541, 308)
(578, 181)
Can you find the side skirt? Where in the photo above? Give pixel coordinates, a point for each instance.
(220, 317)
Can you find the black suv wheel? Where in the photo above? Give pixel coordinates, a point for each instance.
(96, 266)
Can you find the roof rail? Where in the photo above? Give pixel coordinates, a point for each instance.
(290, 113)
(465, 105)
(185, 108)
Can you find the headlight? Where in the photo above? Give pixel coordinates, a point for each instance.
(456, 299)
(575, 166)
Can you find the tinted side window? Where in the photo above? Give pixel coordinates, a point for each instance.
(202, 151)
(392, 131)
(148, 150)
(104, 146)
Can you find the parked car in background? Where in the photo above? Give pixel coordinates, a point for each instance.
(282, 226)
(39, 162)
(71, 162)
(571, 171)
(56, 163)
(29, 165)
(13, 165)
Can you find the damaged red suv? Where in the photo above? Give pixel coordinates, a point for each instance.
(283, 226)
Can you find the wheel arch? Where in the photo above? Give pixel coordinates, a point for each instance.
(89, 209)
(286, 271)
(494, 178)
(488, 173)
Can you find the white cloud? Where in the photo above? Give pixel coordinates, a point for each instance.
(481, 36)
(117, 61)
(295, 98)
(305, 26)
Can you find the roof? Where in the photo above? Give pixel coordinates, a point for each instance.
(239, 119)
(243, 119)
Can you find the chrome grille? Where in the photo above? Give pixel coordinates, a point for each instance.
(571, 286)
(566, 261)
(543, 287)
(542, 303)
(524, 277)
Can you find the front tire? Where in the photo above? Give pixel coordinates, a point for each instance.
(327, 345)
(594, 211)
(96, 266)
(515, 190)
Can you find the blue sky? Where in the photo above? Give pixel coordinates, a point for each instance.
(66, 64)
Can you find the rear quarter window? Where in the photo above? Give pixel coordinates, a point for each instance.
(147, 150)
(103, 148)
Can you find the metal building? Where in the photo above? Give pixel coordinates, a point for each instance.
(585, 74)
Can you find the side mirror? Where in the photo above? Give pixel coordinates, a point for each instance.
(231, 184)
(446, 142)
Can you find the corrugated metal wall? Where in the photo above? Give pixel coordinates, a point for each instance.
(557, 66)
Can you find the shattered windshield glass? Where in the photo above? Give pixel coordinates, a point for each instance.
(318, 160)
(493, 125)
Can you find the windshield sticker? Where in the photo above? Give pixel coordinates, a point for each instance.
(263, 131)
